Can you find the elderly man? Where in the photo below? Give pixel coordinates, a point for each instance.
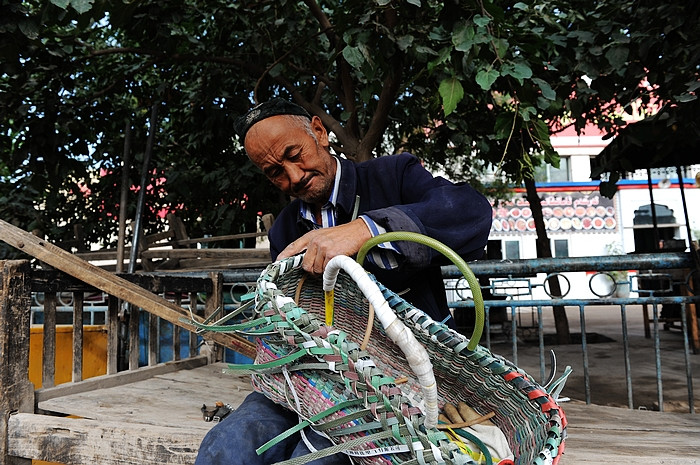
(337, 206)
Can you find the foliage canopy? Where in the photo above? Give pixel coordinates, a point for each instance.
(468, 86)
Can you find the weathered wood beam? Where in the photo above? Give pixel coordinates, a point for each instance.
(104, 442)
(260, 254)
(119, 379)
(112, 284)
(16, 391)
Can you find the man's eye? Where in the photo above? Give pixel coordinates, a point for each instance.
(295, 156)
(274, 173)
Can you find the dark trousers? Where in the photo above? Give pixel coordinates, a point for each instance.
(256, 421)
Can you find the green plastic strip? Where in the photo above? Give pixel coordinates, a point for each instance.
(303, 424)
(451, 255)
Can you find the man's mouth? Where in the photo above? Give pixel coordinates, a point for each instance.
(303, 186)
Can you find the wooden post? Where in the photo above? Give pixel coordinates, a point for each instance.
(214, 304)
(78, 301)
(194, 342)
(48, 365)
(16, 391)
(112, 322)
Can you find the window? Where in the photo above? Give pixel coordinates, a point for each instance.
(561, 248)
(548, 173)
(512, 250)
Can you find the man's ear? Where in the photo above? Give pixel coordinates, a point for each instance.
(320, 130)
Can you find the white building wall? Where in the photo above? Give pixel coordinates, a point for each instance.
(598, 241)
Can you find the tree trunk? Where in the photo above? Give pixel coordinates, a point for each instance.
(561, 321)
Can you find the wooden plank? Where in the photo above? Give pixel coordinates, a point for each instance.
(117, 379)
(260, 254)
(100, 255)
(193, 336)
(111, 284)
(54, 281)
(48, 370)
(77, 337)
(176, 332)
(73, 441)
(16, 391)
(134, 318)
(612, 435)
(153, 339)
(229, 237)
(206, 264)
(170, 399)
(596, 434)
(112, 334)
(215, 303)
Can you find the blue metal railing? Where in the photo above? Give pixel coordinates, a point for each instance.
(520, 290)
(664, 279)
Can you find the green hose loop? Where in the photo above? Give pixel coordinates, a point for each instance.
(447, 252)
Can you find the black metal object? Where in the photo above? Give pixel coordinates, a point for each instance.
(663, 229)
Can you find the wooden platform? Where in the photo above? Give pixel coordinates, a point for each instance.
(131, 422)
(170, 404)
(611, 435)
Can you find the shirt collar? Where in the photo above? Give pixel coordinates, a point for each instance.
(306, 211)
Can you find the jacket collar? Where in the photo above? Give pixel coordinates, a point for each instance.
(347, 191)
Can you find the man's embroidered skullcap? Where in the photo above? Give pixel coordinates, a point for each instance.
(276, 106)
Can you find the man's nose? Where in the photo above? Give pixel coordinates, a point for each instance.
(294, 173)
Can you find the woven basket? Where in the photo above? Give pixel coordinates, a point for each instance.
(369, 401)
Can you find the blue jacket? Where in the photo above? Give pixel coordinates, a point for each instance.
(399, 194)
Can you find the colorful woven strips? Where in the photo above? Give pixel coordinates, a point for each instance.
(352, 395)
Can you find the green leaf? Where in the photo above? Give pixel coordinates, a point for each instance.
(519, 71)
(463, 37)
(501, 47)
(353, 56)
(481, 20)
(404, 42)
(617, 57)
(504, 125)
(486, 78)
(607, 188)
(686, 97)
(414, 2)
(521, 6)
(443, 56)
(61, 3)
(526, 111)
(452, 93)
(541, 132)
(522, 70)
(425, 50)
(81, 6)
(547, 91)
(543, 103)
(29, 29)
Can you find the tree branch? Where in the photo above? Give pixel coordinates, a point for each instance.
(387, 98)
(284, 55)
(346, 87)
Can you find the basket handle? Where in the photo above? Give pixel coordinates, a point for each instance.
(416, 355)
(452, 256)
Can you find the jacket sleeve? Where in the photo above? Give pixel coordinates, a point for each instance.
(454, 214)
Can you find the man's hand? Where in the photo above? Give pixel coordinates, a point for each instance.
(323, 244)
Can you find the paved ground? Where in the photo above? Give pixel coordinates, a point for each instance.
(606, 361)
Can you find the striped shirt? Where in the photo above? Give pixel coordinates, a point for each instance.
(383, 256)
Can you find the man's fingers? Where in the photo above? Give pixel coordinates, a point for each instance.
(292, 249)
(313, 260)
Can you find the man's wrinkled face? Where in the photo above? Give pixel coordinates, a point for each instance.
(295, 159)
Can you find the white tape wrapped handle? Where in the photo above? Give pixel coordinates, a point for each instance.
(416, 355)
